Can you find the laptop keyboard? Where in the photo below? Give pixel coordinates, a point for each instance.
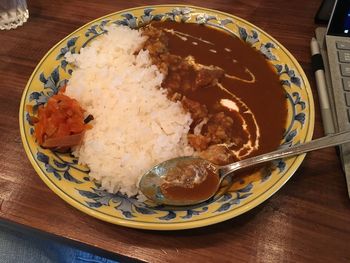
(343, 50)
(338, 49)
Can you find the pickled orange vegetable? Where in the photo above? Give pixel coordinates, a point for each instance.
(59, 119)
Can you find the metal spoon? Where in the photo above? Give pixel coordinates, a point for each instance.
(151, 182)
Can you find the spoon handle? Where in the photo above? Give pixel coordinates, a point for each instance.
(323, 142)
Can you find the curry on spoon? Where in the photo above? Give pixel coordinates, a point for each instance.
(191, 180)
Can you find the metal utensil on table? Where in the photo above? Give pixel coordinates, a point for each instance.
(151, 181)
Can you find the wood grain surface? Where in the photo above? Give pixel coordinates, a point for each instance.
(308, 220)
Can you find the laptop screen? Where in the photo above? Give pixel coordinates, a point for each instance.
(340, 20)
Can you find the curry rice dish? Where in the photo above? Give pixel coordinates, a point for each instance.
(172, 89)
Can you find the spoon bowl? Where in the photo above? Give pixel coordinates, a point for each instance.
(190, 180)
(152, 183)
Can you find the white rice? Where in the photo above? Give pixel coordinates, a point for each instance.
(135, 126)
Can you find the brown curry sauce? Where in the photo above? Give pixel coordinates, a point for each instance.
(204, 67)
(195, 180)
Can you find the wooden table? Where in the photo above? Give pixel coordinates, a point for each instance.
(307, 220)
